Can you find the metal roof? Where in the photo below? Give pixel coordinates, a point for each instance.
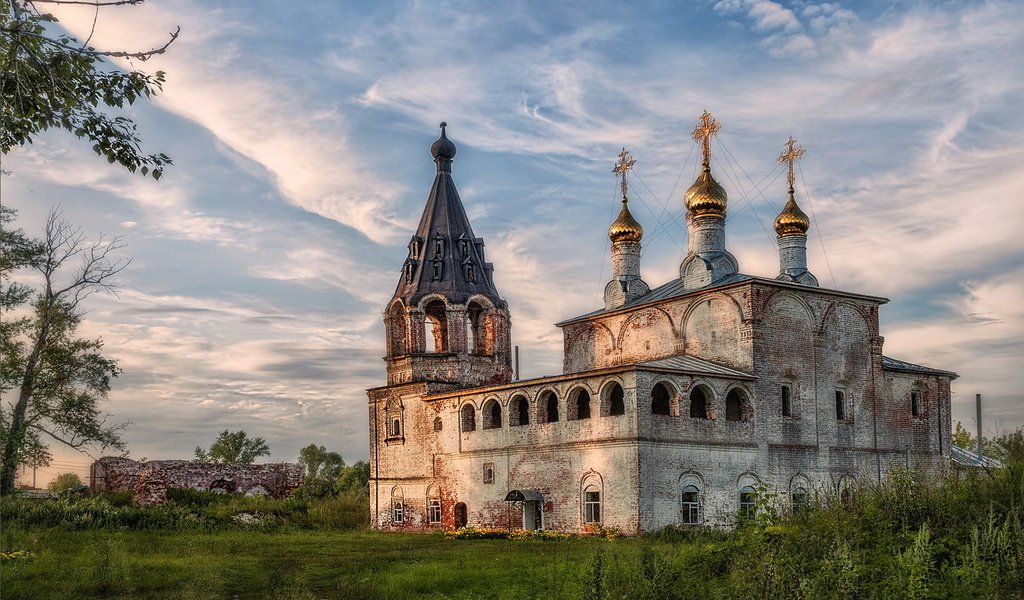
(676, 289)
(524, 496)
(965, 458)
(694, 365)
(891, 364)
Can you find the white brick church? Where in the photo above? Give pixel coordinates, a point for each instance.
(676, 404)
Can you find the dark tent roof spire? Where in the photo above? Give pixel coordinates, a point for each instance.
(444, 256)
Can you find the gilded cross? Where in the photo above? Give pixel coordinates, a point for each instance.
(790, 155)
(706, 128)
(622, 167)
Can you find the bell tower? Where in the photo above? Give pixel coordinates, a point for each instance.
(446, 321)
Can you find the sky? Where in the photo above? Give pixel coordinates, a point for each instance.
(300, 134)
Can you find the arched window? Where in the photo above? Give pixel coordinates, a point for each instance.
(438, 424)
(436, 327)
(691, 504)
(393, 420)
(433, 505)
(660, 400)
(748, 502)
(735, 406)
(468, 419)
(616, 400)
(698, 404)
(581, 404)
(549, 404)
(461, 515)
(786, 392)
(475, 343)
(799, 498)
(915, 403)
(397, 505)
(592, 504)
(398, 330)
(519, 411)
(492, 415)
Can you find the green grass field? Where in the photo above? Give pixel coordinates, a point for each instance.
(298, 564)
(912, 537)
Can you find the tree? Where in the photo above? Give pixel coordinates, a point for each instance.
(963, 438)
(320, 463)
(59, 378)
(64, 482)
(233, 447)
(354, 479)
(48, 79)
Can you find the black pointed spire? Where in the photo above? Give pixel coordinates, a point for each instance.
(444, 255)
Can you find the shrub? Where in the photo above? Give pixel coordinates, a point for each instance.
(64, 482)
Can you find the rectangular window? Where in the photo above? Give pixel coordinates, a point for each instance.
(840, 405)
(488, 472)
(915, 404)
(397, 511)
(787, 406)
(434, 510)
(592, 505)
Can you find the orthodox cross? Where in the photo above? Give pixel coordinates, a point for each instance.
(789, 156)
(706, 128)
(622, 167)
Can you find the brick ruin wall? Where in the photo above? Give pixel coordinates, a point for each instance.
(149, 481)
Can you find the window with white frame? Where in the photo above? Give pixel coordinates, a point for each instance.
(691, 505)
(434, 510)
(397, 510)
(592, 504)
(748, 502)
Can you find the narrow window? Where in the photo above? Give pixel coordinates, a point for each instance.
(618, 401)
(840, 405)
(468, 418)
(748, 502)
(698, 404)
(583, 405)
(592, 505)
(787, 406)
(691, 505)
(550, 407)
(488, 472)
(396, 428)
(437, 424)
(434, 510)
(397, 511)
(660, 404)
(915, 404)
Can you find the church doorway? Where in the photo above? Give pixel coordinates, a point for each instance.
(532, 503)
(461, 515)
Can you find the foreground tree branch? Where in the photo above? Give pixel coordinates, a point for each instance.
(48, 79)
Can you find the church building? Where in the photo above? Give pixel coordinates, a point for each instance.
(676, 405)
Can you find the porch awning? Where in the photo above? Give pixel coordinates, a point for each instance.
(524, 496)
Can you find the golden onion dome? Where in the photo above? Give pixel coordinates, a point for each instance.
(705, 196)
(792, 220)
(625, 228)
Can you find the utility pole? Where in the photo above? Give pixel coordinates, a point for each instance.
(981, 451)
